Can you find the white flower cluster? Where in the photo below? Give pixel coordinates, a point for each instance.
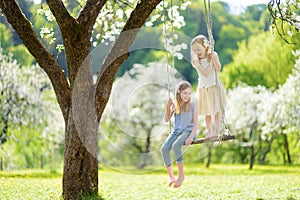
(171, 20)
(48, 14)
(173, 48)
(296, 20)
(288, 14)
(110, 22)
(209, 45)
(47, 33)
(206, 43)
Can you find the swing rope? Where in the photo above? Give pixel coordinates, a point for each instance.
(166, 50)
(209, 24)
(208, 19)
(166, 44)
(173, 35)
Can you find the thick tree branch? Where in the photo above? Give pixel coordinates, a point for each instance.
(119, 52)
(61, 14)
(85, 20)
(76, 34)
(88, 15)
(24, 29)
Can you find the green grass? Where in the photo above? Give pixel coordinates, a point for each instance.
(30, 174)
(217, 182)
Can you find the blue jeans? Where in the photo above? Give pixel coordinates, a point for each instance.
(175, 141)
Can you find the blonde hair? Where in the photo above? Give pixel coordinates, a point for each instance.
(201, 40)
(182, 85)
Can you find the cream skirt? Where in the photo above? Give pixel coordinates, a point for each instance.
(211, 99)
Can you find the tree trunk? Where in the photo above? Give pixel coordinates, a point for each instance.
(264, 156)
(80, 164)
(144, 155)
(1, 163)
(253, 154)
(81, 149)
(252, 147)
(41, 162)
(243, 155)
(143, 161)
(287, 149)
(252, 157)
(284, 159)
(208, 159)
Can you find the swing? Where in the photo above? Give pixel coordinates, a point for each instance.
(222, 137)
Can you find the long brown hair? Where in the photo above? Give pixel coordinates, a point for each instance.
(182, 85)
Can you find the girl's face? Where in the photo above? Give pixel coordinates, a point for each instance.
(185, 95)
(199, 50)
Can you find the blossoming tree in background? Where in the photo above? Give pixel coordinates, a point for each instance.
(25, 111)
(261, 116)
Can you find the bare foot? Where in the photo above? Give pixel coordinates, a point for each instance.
(179, 182)
(209, 136)
(216, 135)
(171, 182)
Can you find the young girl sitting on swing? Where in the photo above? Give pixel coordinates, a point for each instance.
(211, 92)
(185, 127)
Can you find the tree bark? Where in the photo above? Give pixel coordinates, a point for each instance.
(144, 154)
(284, 159)
(41, 162)
(252, 147)
(1, 163)
(208, 159)
(264, 156)
(287, 149)
(252, 157)
(143, 161)
(80, 164)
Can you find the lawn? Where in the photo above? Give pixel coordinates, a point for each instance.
(217, 182)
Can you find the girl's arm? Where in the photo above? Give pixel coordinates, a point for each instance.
(215, 60)
(204, 71)
(169, 110)
(189, 140)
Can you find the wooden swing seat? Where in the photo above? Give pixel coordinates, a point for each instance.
(214, 139)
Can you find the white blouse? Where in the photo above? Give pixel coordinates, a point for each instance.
(210, 80)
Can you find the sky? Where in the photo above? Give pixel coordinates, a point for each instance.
(238, 5)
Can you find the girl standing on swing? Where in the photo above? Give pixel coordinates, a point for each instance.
(211, 92)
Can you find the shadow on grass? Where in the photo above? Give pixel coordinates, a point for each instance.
(92, 197)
